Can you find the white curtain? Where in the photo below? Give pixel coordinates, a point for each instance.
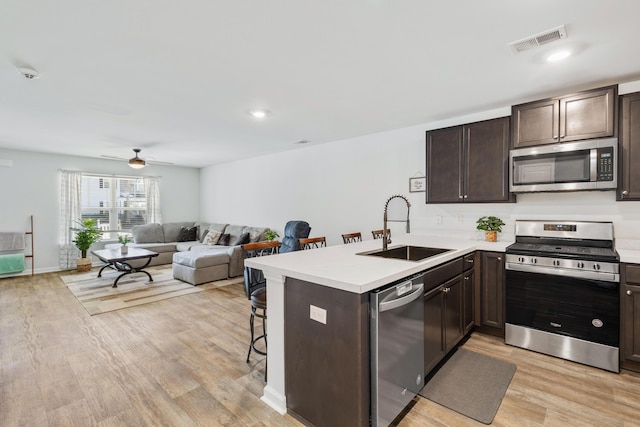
(152, 193)
(70, 214)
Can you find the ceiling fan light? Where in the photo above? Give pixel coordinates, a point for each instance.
(137, 162)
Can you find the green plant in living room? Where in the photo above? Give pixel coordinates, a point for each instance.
(124, 239)
(491, 226)
(86, 235)
(271, 235)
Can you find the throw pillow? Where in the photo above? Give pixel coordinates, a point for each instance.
(254, 235)
(188, 234)
(224, 239)
(212, 238)
(241, 240)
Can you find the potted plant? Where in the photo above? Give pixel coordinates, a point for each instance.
(271, 235)
(124, 239)
(86, 235)
(492, 225)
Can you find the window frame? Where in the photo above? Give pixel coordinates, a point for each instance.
(117, 202)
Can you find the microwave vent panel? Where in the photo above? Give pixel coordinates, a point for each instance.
(540, 39)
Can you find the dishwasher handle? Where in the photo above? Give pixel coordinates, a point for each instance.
(406, 299)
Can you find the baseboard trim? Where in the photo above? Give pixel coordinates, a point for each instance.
(274, 399)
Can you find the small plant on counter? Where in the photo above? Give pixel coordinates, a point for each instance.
(492, 225)
(271, 234)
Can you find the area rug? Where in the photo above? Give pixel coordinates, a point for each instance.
(471, 384)
(97, 296)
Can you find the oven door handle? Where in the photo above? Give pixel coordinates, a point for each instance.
(592, 275)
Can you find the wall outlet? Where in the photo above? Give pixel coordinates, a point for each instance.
(438, 219)
(318, 314)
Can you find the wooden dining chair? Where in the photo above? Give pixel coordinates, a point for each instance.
(378, 234)
(352, 238)
(313, 243)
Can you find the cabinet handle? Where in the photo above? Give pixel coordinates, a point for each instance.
(555, 136)
(470, 260)
(629, 293)
(499, 258)
(625, 192)
(562, 136)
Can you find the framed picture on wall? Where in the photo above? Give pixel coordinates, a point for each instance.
(417, 185)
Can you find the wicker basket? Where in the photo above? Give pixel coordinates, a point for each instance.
(83, 264)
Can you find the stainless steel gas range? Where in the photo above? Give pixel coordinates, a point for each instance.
(562, 280)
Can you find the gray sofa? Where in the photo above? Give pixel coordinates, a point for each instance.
(165, 239)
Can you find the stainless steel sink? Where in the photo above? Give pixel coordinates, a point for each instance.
(409, 253)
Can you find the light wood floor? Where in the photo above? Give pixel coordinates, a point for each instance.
(180, 362)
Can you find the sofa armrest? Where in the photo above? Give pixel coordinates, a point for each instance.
(236, 261)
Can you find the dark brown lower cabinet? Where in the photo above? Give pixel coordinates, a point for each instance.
(489, 293)
(467, 295)
(434, 344)
(327, 365)
(630, 317)
(448, 309)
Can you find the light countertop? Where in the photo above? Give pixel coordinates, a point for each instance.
(631, 256)
(340, 267)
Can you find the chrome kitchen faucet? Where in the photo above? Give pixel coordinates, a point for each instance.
(386, 239)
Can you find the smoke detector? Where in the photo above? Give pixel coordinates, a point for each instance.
(539, 39)
(28, 73)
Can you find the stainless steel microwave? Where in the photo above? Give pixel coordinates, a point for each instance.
(581, 165)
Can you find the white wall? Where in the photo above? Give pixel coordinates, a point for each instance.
(31, 186)
(341, 187)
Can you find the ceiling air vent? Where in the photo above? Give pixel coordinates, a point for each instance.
(540, 39)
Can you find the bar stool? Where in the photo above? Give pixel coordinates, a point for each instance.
(378, 234)
(352, 238)
(255, 288)
(313, 243)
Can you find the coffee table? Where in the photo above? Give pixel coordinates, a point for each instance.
(120, 262)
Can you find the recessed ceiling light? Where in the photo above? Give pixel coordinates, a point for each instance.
(259, 114)
(558, 56)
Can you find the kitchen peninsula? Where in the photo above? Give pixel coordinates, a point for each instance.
(346, 277)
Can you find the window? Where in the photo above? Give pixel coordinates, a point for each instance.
(116, 203)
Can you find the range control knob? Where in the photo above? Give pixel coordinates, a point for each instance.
(596, 266)
(534, 260)
(581, 265)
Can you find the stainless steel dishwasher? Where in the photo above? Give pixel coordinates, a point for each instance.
(397, 347)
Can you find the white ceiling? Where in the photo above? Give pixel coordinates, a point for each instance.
(178, 78)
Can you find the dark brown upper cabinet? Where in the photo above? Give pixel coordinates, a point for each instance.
(584, 115)
(469, 163)
(629, 152)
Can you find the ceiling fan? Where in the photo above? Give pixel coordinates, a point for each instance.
(136, 162)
